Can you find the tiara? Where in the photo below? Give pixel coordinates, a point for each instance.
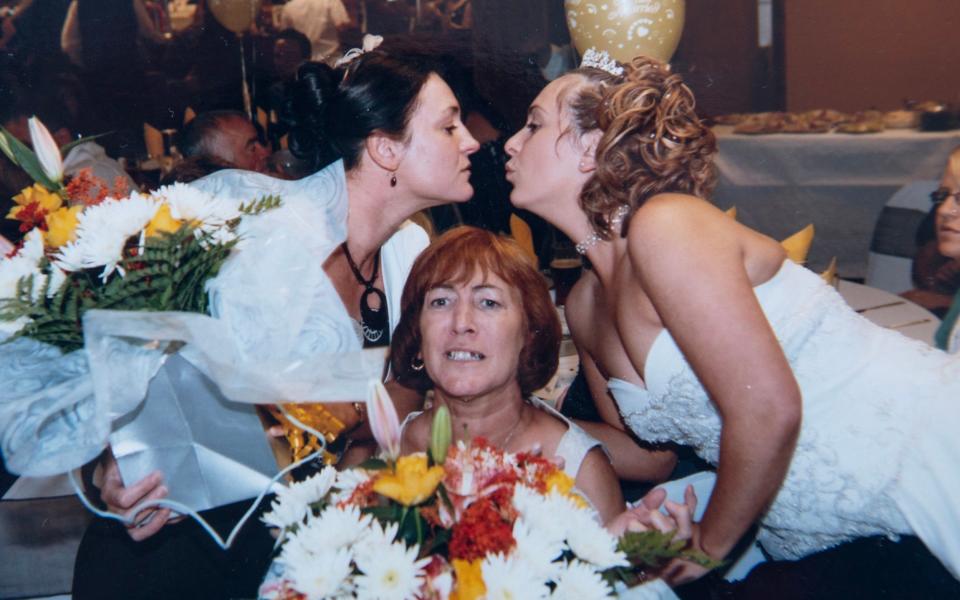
(600, 59)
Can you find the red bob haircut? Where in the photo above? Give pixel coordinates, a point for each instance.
(454, 258)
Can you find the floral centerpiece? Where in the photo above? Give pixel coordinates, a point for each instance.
(461, 522)
(88, 245)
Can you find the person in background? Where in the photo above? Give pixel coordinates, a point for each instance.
(320, 21)
(224, 137)
(946, 201)
(936, 274)
(89, 155)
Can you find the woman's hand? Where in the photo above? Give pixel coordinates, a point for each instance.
(647, 515)
(120, 499)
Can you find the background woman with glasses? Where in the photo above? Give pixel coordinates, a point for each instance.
(946, 200)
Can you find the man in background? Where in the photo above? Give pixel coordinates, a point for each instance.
(224, 137)
(319, 20)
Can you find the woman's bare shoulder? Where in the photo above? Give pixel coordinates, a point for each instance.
(416, 432)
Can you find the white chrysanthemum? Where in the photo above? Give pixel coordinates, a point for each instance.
(537, 511)
(507, 579)
(103, 230)
(285, 512)
(591, 542)
(334, 528)
(57, 278)
(580, 581)
(209, 214)
(535, 550)
(310, 490)
(24, 264)
(347, 482)
(201, 208)
(322, 575)
(375, 537)
(391, 573)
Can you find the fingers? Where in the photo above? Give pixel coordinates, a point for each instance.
(150, 525)
(276, 431)
(120, 498)
(661, 522)
(654, 498)
(683, 517)
(150, 520)
(690, 499)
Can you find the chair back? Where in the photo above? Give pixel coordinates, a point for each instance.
(893, 246)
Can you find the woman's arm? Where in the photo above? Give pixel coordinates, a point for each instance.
(630, 460)
(598, 482)
(689, 258)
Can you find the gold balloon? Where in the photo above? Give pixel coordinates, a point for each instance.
(235, 15)
(626, 28)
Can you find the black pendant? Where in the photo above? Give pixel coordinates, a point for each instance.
(374, 322)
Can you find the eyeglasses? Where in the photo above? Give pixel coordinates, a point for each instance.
(940, 195)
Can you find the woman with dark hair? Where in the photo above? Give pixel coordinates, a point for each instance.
(340, 247)
(824, 428)
(479, 329)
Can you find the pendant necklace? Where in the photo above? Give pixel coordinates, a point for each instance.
(373, 321)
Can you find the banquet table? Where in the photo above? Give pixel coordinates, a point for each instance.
(839, 182)
(890, 311)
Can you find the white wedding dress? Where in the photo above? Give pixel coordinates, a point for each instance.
(878, 450)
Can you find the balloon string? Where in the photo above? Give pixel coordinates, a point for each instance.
(247, 103)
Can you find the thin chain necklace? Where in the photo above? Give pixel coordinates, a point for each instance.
(513, 429)
(373, 321)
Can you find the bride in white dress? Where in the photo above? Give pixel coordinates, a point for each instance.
(824, 428)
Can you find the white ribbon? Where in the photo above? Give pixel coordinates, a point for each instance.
(370, 42)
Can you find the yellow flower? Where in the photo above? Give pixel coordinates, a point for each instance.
(163, 222)
(469, 585)
(45, 200)
(563, 483)
(411, 482)
(61, 226)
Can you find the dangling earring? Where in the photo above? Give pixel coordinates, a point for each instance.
(393, 180)
(417, 363)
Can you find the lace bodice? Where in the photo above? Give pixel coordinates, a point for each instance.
(861, 386)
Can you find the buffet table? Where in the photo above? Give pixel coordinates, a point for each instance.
(839, 182)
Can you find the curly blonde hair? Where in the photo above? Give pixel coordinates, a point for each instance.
(652, 142)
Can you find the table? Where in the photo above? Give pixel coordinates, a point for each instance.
(891, 311)
(839, 182)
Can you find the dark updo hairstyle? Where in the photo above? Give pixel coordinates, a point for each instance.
(454, 258)
(652, 142)
(330, 112)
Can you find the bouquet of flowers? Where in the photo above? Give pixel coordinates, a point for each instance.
(88, 245)
(462, 522)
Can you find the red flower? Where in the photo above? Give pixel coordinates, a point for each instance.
(486, 527)
(86, 188)
(32, 215)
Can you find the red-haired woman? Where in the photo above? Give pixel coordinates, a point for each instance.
(477, 326)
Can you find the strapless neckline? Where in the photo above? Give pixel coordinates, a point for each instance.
(663, 334)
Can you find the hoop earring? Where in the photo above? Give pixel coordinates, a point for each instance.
(393, 180)
(416, 364)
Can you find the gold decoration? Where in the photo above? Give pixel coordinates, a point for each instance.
(314, 416)
(626, 28)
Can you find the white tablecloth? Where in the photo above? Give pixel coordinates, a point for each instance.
(839, 182)
(891, 311)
